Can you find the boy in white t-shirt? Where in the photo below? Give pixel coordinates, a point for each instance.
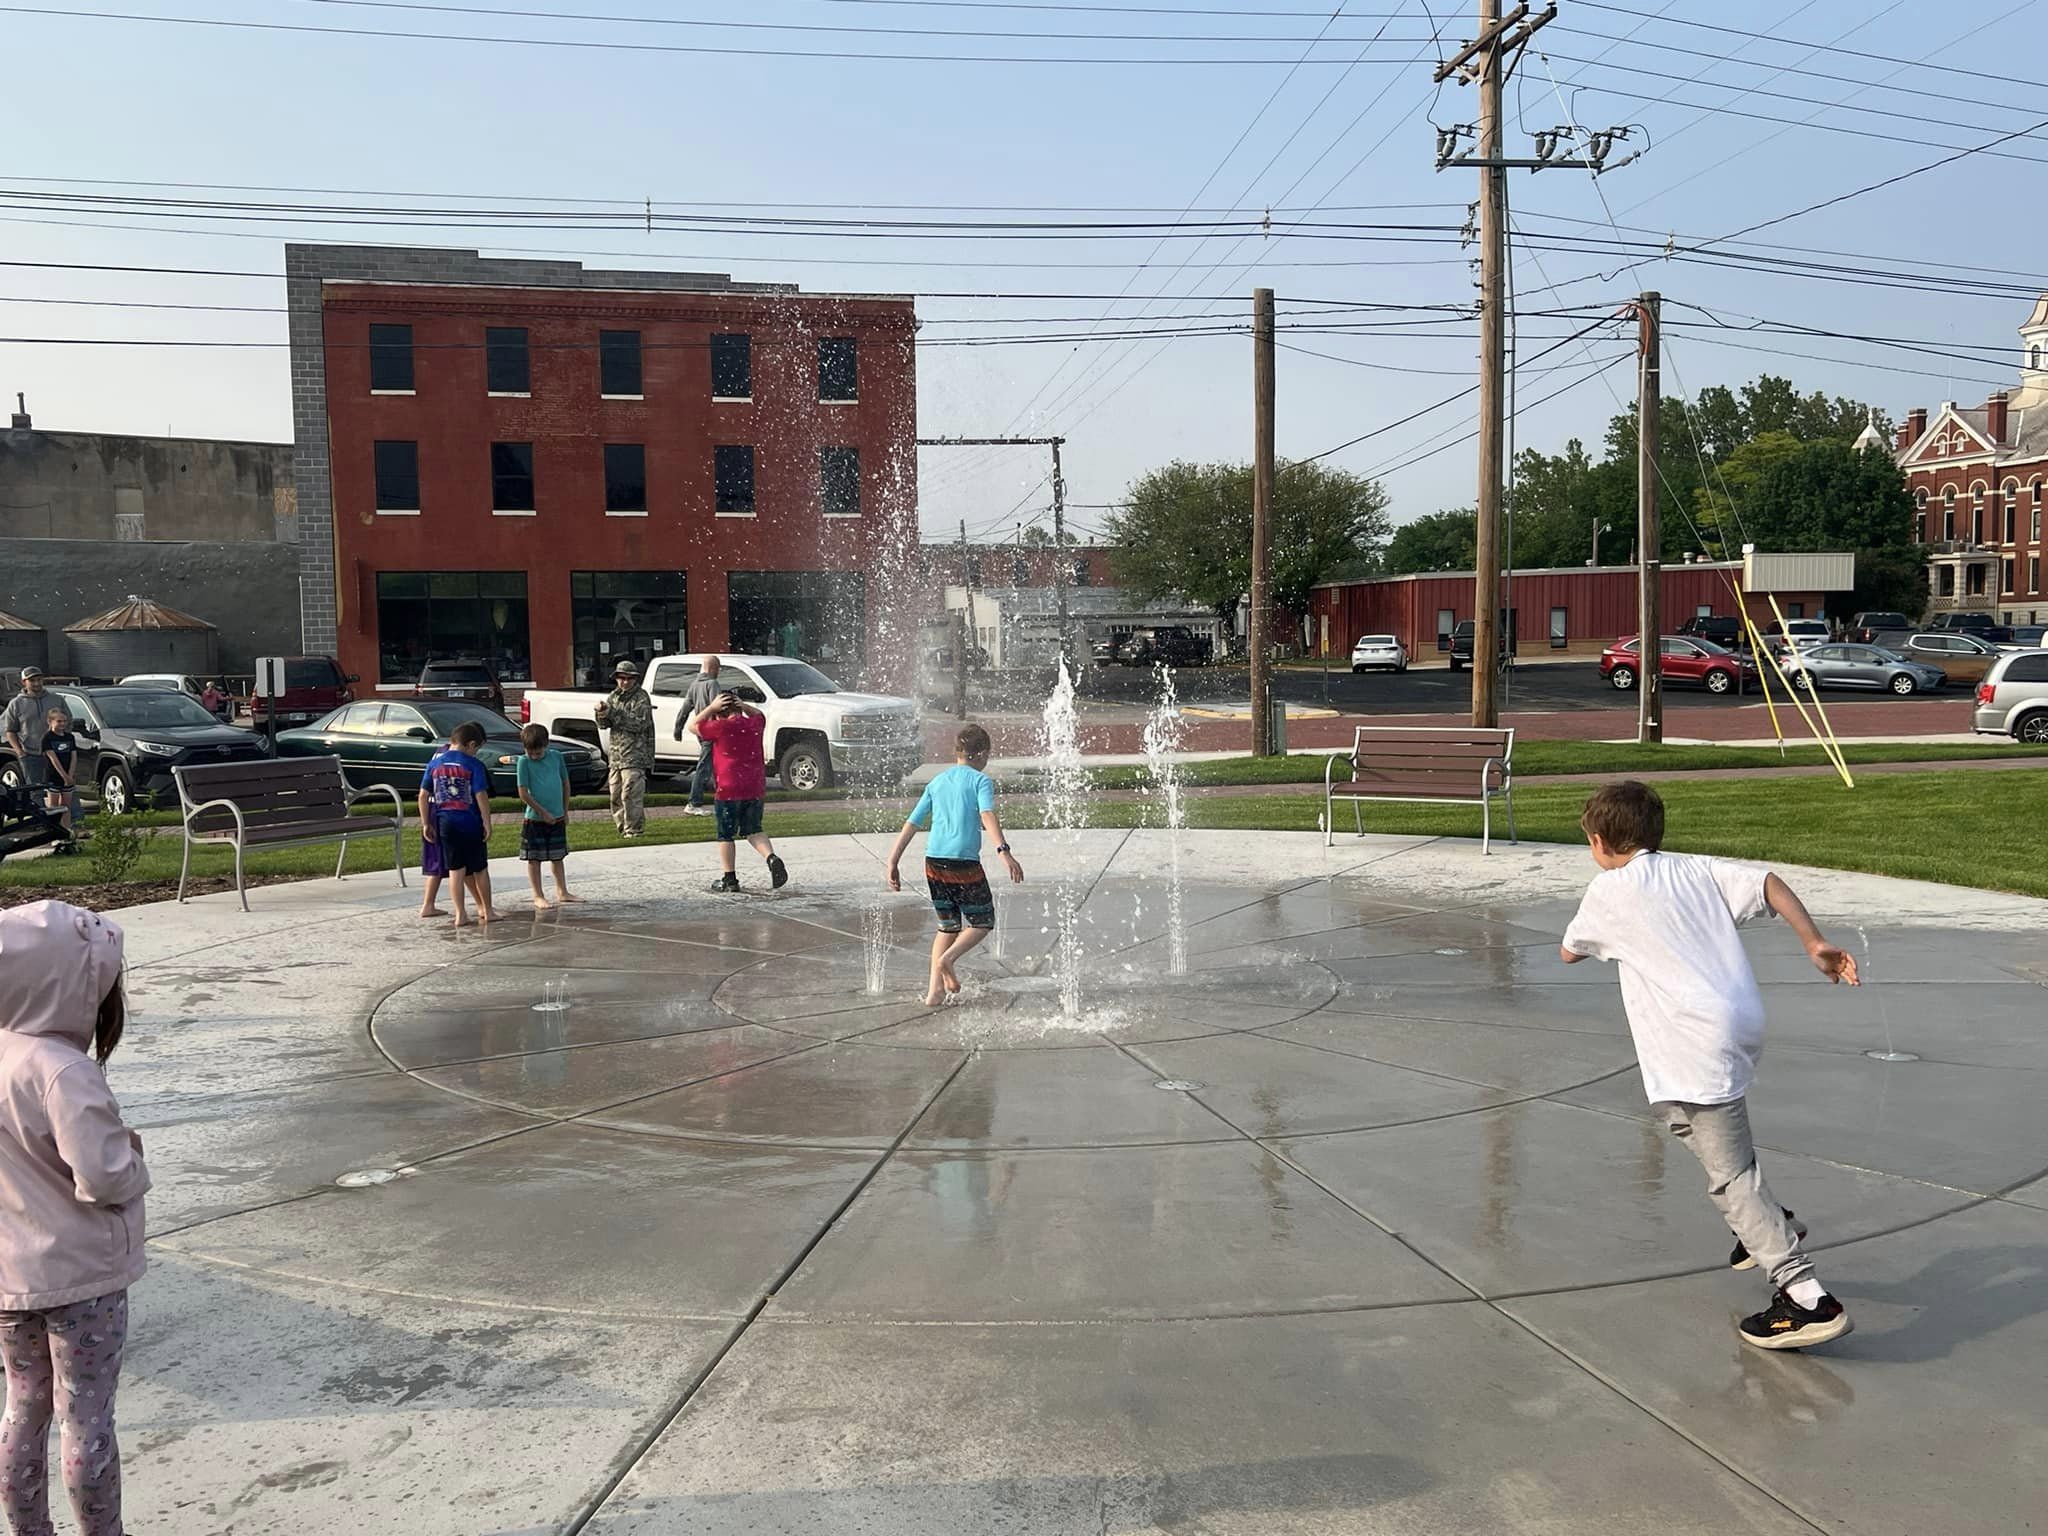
(1668, 921)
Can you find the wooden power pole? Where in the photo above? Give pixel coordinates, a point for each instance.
(1649, 533)
(963, 634)
(1493, 224)
(1262, 514)
(1062, 571)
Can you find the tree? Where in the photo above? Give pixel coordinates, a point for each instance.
(1828, 495)
(1186, 529)
(1441, 541)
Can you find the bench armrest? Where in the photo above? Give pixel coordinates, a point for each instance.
(1507, 773)
(229, 806)
(397, 805)
(1330, 764)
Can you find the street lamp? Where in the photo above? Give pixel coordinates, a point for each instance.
(1598, 529)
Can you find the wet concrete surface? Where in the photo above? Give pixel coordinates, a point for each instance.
(1359, 1226)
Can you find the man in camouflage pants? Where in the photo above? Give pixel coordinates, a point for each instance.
(628, 714)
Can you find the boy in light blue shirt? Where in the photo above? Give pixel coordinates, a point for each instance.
(958, 805)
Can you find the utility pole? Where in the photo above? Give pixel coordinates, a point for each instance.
(962, 640)
(1062, 572)
(1649, 535)
(1262, 513)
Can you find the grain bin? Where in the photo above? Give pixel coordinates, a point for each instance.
(22, 644)
(142, 636)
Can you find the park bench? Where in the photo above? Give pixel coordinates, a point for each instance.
(1464, 766)
(277, 803)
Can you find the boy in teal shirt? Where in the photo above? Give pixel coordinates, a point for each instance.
(544, 834)
(958, 805)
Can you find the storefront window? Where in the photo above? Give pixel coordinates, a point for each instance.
(819, 616)
(427, 616)
(621, 615)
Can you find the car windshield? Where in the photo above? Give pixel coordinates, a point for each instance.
(444, 717)
(446, 673)
(1376, 640)
(141, 708)
(792, 679)
(311, 672)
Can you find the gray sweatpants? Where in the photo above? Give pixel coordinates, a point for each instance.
(1719, 1137)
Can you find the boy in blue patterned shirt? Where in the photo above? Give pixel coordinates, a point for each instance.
(455, 811)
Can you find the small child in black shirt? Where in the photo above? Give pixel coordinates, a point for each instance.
(60, 748)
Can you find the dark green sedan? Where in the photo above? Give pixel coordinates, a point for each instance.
(390, 743)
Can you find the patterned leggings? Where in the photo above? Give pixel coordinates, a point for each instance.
(64, 1363)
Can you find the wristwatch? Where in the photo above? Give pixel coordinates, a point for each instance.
(1002, 847)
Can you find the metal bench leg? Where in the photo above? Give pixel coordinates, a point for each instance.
(1485, 825)
(1510, 798)
(341, 859)
(1358, 816)
(398, 851)
(184, 867)
(1329, 819)
(241, 888)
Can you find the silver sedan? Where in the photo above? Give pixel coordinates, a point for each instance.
(1861, 666)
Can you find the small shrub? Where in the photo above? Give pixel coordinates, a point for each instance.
(116, 845)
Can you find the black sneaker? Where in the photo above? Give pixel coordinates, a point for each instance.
(778, 872)
(727, 883)
(1738, 1257)
(1787, 1325)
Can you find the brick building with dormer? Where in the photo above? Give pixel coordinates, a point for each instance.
(1979, 479)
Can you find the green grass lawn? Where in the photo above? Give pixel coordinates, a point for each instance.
(1965, 829)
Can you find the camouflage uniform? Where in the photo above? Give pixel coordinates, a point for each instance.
(630, 719)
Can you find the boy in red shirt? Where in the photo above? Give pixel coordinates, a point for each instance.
(733, 730)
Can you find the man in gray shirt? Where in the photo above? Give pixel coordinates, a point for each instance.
(703, 689)
(27, 723)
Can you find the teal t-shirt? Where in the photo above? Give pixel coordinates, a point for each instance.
(951, 806)
(546, 778)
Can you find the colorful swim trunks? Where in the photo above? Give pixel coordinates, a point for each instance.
(960, 890)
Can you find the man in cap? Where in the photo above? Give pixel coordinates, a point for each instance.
(628, 714)
(26, 720)
(703, 692)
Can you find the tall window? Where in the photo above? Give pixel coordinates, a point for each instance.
(432, 615)
(1559, 625)
(838, 369)
(512, 477)
(618, 362)
(1946, 580)
(2005, 574)
(732, 367)
(1948, 513)
(2011, 498)
(817, 615)
(1920, 516)
(391, 359)
(398, 476)
(839, 481)
(733, 472)
(625, 477)
(507, 368)
(1079, 571)
(2037, 511)
(1977, 513)
(2033, 575)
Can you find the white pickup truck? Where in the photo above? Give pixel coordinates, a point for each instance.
(816, 732)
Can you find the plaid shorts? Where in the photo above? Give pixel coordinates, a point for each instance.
(542, 842)
(960, 890)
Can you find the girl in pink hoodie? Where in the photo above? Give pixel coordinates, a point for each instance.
(71, 1185)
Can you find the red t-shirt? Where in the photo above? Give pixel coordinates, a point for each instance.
(736, 760)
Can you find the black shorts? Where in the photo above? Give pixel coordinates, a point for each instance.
(463, 848)
(960, 891)
(738, 819)
(543, 842)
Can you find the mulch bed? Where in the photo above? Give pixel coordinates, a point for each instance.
(132, 893)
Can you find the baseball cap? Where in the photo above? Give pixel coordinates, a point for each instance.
(29, 672)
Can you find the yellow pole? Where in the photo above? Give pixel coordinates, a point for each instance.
(1763, 676)
(1823, 733)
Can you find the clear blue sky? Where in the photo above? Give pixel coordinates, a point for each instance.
(133, 101)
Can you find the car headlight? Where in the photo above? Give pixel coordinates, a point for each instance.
(157, 749)
(507, 760)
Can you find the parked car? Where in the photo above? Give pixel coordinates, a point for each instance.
(1861, 666)
(1384, 651)
(313, 686)
(129, 740)
(1796, 634)
(2013, 698)
(1871, 628)
(462, 678)
(1964, 658)
(1681, 660)
(1175, 645)
(1721, 629)
(816, 732)
(177, 682)
(1461, 644)
(2032, 636)
(390, 743)
(1982, 625)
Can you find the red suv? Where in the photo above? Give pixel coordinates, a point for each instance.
(1681, 659)
(313, 685)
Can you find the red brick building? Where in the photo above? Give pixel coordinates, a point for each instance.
(553, 468)
(1978, 475)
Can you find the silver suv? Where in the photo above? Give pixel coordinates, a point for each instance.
(2013, 698)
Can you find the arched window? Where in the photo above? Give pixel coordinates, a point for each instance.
(1920, 515)
(1977, 512)
(1948, 512)
(2037, 512)
(2034, 355)
(2011, 497)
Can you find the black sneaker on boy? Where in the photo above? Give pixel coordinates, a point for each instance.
(778, 872)
(1739, 1258)
(727, 883)
(1787, 1325)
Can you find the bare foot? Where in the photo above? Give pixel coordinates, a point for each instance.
(488, 916)
(462, 921)
(933, 998)
(562, 896)
(432, 912)
(948, 980)
(542, 904)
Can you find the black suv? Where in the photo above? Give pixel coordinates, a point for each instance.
(1981, 625)
(463, 677)
(1877, 628)
(129, 740)
(1174, 644)
(1726, 632)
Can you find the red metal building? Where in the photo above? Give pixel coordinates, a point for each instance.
(553, 468)
(1568, 608)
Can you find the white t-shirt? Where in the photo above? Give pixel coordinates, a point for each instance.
(1668, 920)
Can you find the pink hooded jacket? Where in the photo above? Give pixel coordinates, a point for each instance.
(71, 1173)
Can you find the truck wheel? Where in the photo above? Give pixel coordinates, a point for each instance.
(806, 765)
(117, 794)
